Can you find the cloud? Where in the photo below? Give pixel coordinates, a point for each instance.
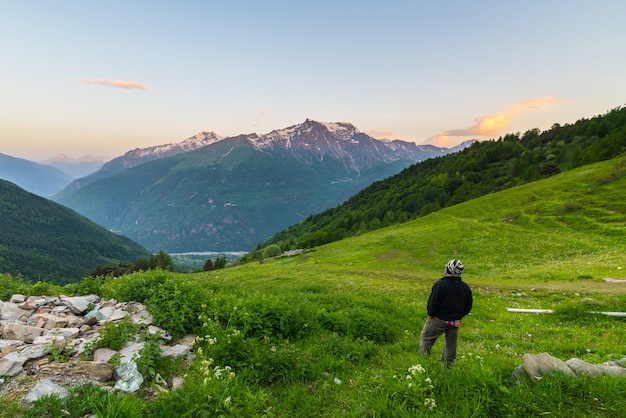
(497, 122)
(115, 83)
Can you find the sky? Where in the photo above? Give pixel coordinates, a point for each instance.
(102, 78)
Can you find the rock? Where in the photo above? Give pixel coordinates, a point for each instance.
(26, 333)
(582, 367)
(175, 351)
(45, 387)
(17, 298)
(12, 364)
(538, 364)
(28, 305)
(152, 330)
(91, 370)
(177, 383)
(51, 321)
(79, 304)
(188, 340)
(10, 312)
(33, 351)
(103, 355)
(49, 339)
(129, 350)
(7, 349)
(118, 315)
(67, 333)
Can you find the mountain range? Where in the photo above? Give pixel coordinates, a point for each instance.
(210, 193)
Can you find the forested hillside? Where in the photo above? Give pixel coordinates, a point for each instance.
(483, 168)
(42, 240)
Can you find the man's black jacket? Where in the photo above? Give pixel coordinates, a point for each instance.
(450, 299)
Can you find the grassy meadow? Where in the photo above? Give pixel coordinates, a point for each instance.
(334, 332)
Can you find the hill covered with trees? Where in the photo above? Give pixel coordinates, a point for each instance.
(483, 168)
(42, 240)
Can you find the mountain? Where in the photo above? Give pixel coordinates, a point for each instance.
(43, 180)
(76, 167)
(139, 156)
(480, 169)
(235, 192)
(43, 240)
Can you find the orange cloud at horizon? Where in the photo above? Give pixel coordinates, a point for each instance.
(114, 83)
(497, 122)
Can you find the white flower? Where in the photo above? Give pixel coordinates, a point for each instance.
(416, 369)
(227, 402)
(428, 380)
(337, 381)
(430, 403)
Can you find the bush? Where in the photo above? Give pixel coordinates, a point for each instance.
(272, 250)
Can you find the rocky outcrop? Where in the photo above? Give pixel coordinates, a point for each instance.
(30, 329)
(538, 365)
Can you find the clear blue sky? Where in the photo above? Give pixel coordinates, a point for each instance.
(87, 77)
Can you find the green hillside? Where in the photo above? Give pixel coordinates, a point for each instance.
(42, 240)
(334, 332)
(483, 168)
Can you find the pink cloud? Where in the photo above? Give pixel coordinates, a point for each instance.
(497, 122)
(115, 83)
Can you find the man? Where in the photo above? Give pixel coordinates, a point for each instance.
(449, 301)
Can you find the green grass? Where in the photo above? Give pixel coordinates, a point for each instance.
(334, 332)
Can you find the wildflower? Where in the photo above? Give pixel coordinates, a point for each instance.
(416, 369)
(227, 402)
(428, 380)
(430, 403)
(337, 381)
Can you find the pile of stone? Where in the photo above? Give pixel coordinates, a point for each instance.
(30, 327)
(538, 365)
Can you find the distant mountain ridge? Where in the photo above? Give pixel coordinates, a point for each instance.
(76, 167)
(43, 180)
(228, 194)
(139, 156)
(315, 138)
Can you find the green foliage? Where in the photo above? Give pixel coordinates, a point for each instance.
(10, 286)
(59, 352)
(44, 241)
(113, 335)
(161, 260)
(271, 250)
(174, 303)
(85, 400)
(148, 358)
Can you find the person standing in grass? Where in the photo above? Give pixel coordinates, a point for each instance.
(449, 301)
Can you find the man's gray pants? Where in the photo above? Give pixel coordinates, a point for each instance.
(433, 328)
